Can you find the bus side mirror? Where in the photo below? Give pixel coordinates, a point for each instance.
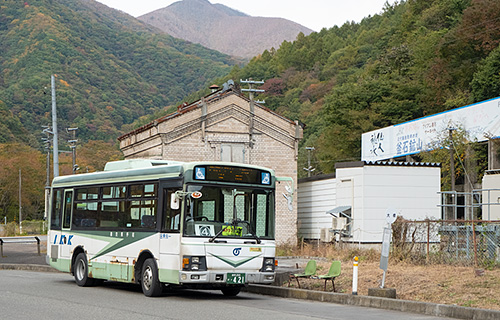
(174, 201)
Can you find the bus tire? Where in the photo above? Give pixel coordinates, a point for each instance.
(231, 291)
(150, 283)
(81, 271)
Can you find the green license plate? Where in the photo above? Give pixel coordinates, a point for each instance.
(235, 278)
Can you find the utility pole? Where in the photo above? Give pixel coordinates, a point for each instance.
(54, 127)
(309, 168)
(452, 175)
(452, 159)
(46, 140)
(20, 206)
(72, 145)
(251, 91)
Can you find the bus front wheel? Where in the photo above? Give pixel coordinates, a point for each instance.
(231, 291)
(150, 283)
(81, 271)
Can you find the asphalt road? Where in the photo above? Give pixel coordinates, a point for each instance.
(39, 295)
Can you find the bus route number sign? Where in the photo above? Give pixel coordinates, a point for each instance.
(235, 278)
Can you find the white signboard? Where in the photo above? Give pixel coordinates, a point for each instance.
(480, 120)
(391, 215)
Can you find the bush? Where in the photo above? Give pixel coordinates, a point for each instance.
(29, 227)
(9, 229)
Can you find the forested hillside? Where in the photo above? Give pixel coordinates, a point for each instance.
(111, 68)
(417, 58)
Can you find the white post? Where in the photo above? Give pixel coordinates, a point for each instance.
(355, 276)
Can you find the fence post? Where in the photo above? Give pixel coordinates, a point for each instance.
(38, 241)
(428, 238)
(474, 241)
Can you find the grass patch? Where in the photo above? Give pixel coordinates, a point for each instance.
(413, 280)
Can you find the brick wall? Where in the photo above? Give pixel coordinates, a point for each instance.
(273, 145)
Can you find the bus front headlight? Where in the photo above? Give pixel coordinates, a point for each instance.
(268, 265)
(194, 263)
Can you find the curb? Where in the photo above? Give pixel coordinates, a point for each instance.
(27, 267)
(432, 309)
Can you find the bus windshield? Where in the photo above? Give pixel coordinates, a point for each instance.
(229, 212)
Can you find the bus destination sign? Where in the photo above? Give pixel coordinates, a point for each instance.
(232, 174)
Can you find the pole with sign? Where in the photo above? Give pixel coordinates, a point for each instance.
(390, 217)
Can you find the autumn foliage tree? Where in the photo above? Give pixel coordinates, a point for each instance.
(91, 157)
(31, 162)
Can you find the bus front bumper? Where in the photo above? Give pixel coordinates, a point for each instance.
(225, 277)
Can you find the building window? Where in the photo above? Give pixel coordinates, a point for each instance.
(232, 153)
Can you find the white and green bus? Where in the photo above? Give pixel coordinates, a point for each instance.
(202, 225)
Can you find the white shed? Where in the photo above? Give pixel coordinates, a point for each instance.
(491, 195)
(362, 192)
(315, 196)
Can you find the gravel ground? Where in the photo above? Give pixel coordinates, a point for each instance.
(24, 253)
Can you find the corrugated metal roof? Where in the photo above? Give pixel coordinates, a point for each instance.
(494, 171)
(356, 164)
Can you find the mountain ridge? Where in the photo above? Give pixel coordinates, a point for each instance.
(221, 28)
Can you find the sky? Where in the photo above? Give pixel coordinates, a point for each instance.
(314, 14)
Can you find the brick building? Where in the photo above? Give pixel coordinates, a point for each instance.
(225, 126)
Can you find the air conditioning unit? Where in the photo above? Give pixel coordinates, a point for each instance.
(325, 235)
(339, 223)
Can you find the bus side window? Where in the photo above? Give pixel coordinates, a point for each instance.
(55, 215)
(68, 206)
(171, 217)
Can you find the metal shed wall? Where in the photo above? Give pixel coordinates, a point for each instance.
(314, 198)
(412, 190)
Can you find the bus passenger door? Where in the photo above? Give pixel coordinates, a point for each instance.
(65, 239)
(170, 261)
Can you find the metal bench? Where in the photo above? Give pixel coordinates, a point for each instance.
(27, 239)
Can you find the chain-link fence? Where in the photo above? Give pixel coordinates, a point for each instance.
(460, 242)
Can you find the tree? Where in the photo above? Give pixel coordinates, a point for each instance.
(468, 160)
(15, 157)
(93, 155)
(486, 82)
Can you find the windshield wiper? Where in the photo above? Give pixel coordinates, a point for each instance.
(234, 223)
(218, 234)
(250, 229)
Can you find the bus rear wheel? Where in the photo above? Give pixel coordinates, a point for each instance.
(150, 283)
(81, 271)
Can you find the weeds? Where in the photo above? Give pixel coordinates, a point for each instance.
(29, 227)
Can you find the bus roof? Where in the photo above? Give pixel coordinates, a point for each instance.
(139, 169)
